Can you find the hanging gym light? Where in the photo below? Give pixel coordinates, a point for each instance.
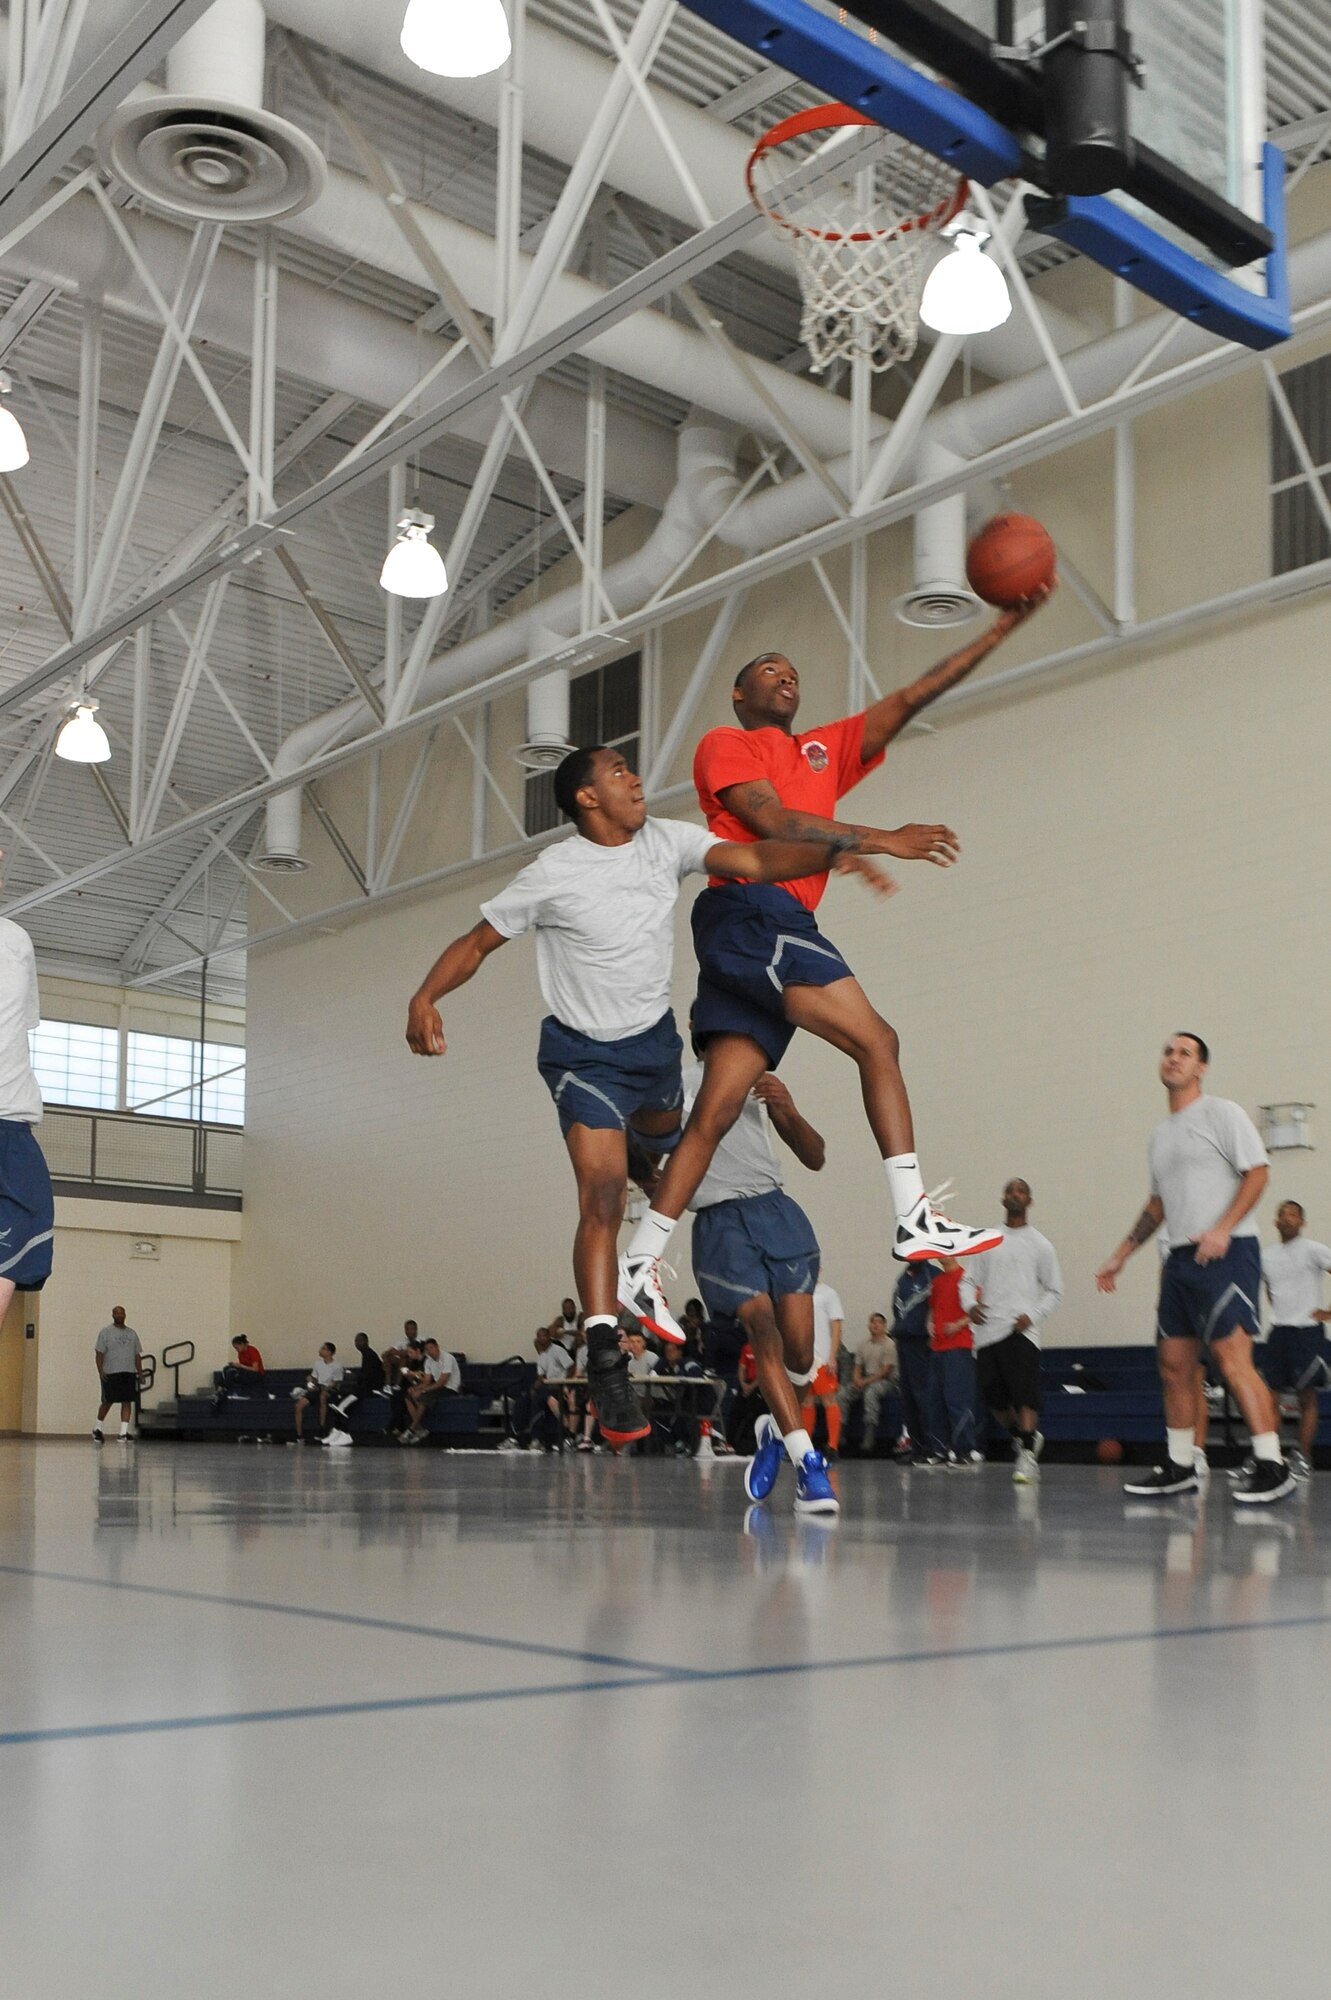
(456, 37)
(413, 566)
(82, 740)
(965, 292)
(13, 444)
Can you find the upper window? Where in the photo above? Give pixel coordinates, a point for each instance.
(167, 1080)
(75, 1064)
(604, 706)
(1300, 508)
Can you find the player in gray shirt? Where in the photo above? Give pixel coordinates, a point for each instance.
(1208, 1172)
(117, 1353)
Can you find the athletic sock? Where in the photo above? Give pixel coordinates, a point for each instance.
(798, 1446)
(652, 1234)
(832, 1413)
(809, 1417)
(124, 1430)
(1180, 1446)
(1266, 1445)
(905, 1183)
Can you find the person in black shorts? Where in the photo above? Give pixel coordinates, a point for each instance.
(1020, 1285)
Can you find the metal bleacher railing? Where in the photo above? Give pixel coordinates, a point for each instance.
(119, 1154)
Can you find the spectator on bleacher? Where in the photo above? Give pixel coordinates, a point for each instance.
(910, 1331)
(1020, 1285)
(397, 1360)
(873, 1373)
(440, 1376)
(697, 1332)
(118, 1355)
(642, 1361)
(552, 1365)
(567, 1328)
(747, 1407)
(357, 1384)
(952, 1293)
(323, 1377)
(244, 1376)
(408, 1373)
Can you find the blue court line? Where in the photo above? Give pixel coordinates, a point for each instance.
(932, 1656)
(528, 1646)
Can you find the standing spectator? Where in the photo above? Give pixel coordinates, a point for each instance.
(1020, 1285)
(440, 1376)
(27, 1205)
(1294, 1355)
(117, 1354)
(951, 1296)
(243, 1377)
(325, 1375)
(910, 1330)
(365, 1380)
(874, 1372)
(829, 1317)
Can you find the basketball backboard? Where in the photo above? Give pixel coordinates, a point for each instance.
(1196, 219)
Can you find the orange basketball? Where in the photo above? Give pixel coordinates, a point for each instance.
(1010, 559)
(1109, 1451)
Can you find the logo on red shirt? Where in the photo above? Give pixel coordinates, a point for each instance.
(816, 755)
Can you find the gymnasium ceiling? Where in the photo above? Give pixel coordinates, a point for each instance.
(266, 664)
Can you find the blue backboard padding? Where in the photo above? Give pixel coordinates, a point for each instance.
(856, 72)
(1130, 248)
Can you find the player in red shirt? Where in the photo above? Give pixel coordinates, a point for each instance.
(765, 968)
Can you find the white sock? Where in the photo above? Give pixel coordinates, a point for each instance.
(798, 1446)
(904, 1183)
(652, 1234)
(1266, 1444)
(1180, 1446)
(124, 1430)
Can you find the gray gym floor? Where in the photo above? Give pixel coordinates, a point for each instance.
(274, 1723)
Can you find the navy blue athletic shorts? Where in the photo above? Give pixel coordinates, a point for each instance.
(1294, 1357)
(603, 1084)
(762, 1243)
(27, 1208)
(1206, 1301)
(753, 940)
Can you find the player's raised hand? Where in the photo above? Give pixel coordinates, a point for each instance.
(924, 843)
(1016, 614)
(876, 879)
(425, 1028)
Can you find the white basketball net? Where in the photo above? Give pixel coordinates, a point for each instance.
(861, 263)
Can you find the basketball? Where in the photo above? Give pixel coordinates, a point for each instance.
(1010, 559)
(1109, 1451)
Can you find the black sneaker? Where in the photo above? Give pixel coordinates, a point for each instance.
(617, 1408)
(1270, 1479)
(1162, 1480)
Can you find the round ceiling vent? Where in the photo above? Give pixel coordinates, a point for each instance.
(935, 605)
(212, 162)
(543, 753)
(273, 861)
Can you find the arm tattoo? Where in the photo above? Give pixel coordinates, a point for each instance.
(1143, 1229)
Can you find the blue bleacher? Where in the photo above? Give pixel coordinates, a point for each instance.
(273, 1413)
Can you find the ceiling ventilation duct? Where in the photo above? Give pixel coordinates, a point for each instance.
(547, 719)
(939, 596)
(280, 853)
(207, 149)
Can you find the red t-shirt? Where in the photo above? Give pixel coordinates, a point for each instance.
(945, 1308)
(810, 772)
(248, 1357)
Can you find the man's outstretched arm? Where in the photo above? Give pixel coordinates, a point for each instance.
(455, 965)
(757, 804)
(888, 717)
(1142, 1230)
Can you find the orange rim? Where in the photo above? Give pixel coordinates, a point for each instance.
(830, 118)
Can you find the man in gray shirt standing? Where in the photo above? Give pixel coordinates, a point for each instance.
(1208, 1172)
(117, 1355)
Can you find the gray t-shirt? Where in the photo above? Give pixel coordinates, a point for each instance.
(119, 1348)
(743, 1164)
(1198, 1157)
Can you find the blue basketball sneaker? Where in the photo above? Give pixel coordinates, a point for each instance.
(813, 1488)
(761, 1471)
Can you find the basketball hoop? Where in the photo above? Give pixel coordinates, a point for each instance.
(860, 264)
